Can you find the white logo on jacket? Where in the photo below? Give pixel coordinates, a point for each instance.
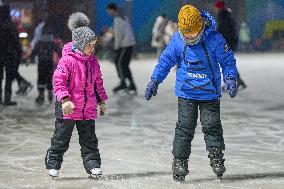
(196, 75)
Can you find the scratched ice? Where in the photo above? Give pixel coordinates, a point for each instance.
(135, 138)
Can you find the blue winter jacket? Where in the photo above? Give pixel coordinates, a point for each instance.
(197, 77)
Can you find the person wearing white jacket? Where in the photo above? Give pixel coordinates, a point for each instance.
(158, 34)
(124, 42)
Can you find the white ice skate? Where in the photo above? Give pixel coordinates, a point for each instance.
(53, 173)
(96, 172)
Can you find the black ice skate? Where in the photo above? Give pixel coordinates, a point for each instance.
(10, 103)
(40, 99)
(121, 87)
(132, 89)
(50, 96)
(7, 100)
(217, 162)
(25, 88)
(180, 169)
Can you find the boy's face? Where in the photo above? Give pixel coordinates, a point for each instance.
(90, 47)
(191, 38)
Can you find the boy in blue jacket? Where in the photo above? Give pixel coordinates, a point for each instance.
(199, 51)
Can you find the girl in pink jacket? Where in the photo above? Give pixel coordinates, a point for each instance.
(78, 87)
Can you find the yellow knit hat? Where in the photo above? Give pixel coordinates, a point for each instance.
(189, 20)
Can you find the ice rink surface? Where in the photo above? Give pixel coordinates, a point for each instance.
(135, 138)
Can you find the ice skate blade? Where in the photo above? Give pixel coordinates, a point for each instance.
(39, 103)
(25, 93)
(95, 176)
(179, 179)
(124, 90)
(219, 178)
(53, 177)
(30, 88)
(132, 93)
(122, 93)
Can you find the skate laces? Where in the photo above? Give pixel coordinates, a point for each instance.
(180, 167)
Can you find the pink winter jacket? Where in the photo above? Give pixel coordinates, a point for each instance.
(79, 78)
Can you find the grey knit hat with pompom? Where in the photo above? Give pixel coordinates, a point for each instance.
(81, 34)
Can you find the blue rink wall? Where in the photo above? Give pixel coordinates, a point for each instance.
(144, 13)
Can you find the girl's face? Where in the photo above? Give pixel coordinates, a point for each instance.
(90, 48)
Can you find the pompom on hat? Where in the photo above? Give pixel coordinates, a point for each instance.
(190, 20)
(78, 23)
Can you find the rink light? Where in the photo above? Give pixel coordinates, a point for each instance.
(23, 35)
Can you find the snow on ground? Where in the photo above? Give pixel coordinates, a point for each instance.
(135, 138)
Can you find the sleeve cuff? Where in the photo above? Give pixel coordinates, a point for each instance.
(63, 95)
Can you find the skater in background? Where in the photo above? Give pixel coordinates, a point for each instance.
(227, 28)
(10, 53)
(44, 49)
(24, 86)
(78, 86)
(124, 43)
(170, 29)
(162, 31)
(199, 51)
(38, 30)
(244, 38)
(158, 30)
(37, 36)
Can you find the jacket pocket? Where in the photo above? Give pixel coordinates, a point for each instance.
(79, 101)
(196, 67)
(91, 106)
(198, 83)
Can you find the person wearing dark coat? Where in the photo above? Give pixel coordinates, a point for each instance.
(45, 49)
(10, 53)
(227, 28)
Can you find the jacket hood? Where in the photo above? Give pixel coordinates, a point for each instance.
(69, 50)
(210, 23)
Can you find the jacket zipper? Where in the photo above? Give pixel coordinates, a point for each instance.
(211, 67)
(98, 98)
(91, 72)
(85, 90)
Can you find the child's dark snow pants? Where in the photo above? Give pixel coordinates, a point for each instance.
(187, 122)
(61, 138)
